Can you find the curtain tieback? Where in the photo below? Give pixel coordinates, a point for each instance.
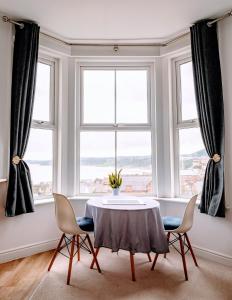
(216, 158)
(16, 160)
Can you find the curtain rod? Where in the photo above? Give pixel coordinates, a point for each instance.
(8, 20)
(210, 23)
(100, 44)
(227, 14)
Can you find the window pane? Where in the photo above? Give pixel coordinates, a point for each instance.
(134, 158)
(39, 157)
(188, 106)
(97, 152)
(98, 98)
(41, 110)
(131, 96)
(193, 160)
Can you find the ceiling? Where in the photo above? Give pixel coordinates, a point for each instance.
(107, 20)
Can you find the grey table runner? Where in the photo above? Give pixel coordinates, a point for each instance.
(136, 228)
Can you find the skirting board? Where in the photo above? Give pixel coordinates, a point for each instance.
(32, 249)
(27, 250)
(212, 255)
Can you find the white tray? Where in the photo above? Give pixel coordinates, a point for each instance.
(123, 202)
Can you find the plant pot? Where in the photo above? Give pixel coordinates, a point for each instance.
(115, 191)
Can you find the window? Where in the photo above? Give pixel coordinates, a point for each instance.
(40, 149)
(192, 157)
(115, 129)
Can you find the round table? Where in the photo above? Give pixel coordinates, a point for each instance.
(135, 228)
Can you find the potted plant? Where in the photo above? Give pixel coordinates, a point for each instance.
(115, 181)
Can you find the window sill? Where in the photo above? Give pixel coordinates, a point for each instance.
(85, 198)
(43, 201)
(80, 198)
(51, 200)
(175, 200)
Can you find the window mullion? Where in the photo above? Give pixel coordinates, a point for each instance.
(116, 145)
(115, 97)
(115, 118)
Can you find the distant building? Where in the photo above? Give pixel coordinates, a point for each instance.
(191, 178)
(43, 188)
(131, 184)
(137, 183)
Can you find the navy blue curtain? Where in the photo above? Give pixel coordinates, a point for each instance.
(209, 99)
(19, 195)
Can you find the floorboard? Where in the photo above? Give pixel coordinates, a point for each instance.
(19, 278)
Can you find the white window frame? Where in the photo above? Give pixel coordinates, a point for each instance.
(178, 123)
(52, 124)
(135, 127)
(118, 125)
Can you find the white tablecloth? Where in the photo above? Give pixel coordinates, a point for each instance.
(136, 228)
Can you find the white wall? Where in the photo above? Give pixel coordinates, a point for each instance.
(30, 233)
(225, 42)
(5, 85)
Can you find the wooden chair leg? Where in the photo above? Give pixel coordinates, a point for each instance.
(168, 238)
(183, 256)
(56, 252)
(132, 266)
(191, 249)
(78, 248)
(154, 262)
(70, 260)
(94, 255)
(93, 261)
(149, 257)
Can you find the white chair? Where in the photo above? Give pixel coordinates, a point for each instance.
(73, 230)
(174, 226)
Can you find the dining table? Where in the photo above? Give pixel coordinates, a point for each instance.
(128, 223)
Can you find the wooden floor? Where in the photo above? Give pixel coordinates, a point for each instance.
(19, 278)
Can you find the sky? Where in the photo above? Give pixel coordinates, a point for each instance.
(102, 87)
(102, 144)
(189, 109)
(42, 93)
(189, 139)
